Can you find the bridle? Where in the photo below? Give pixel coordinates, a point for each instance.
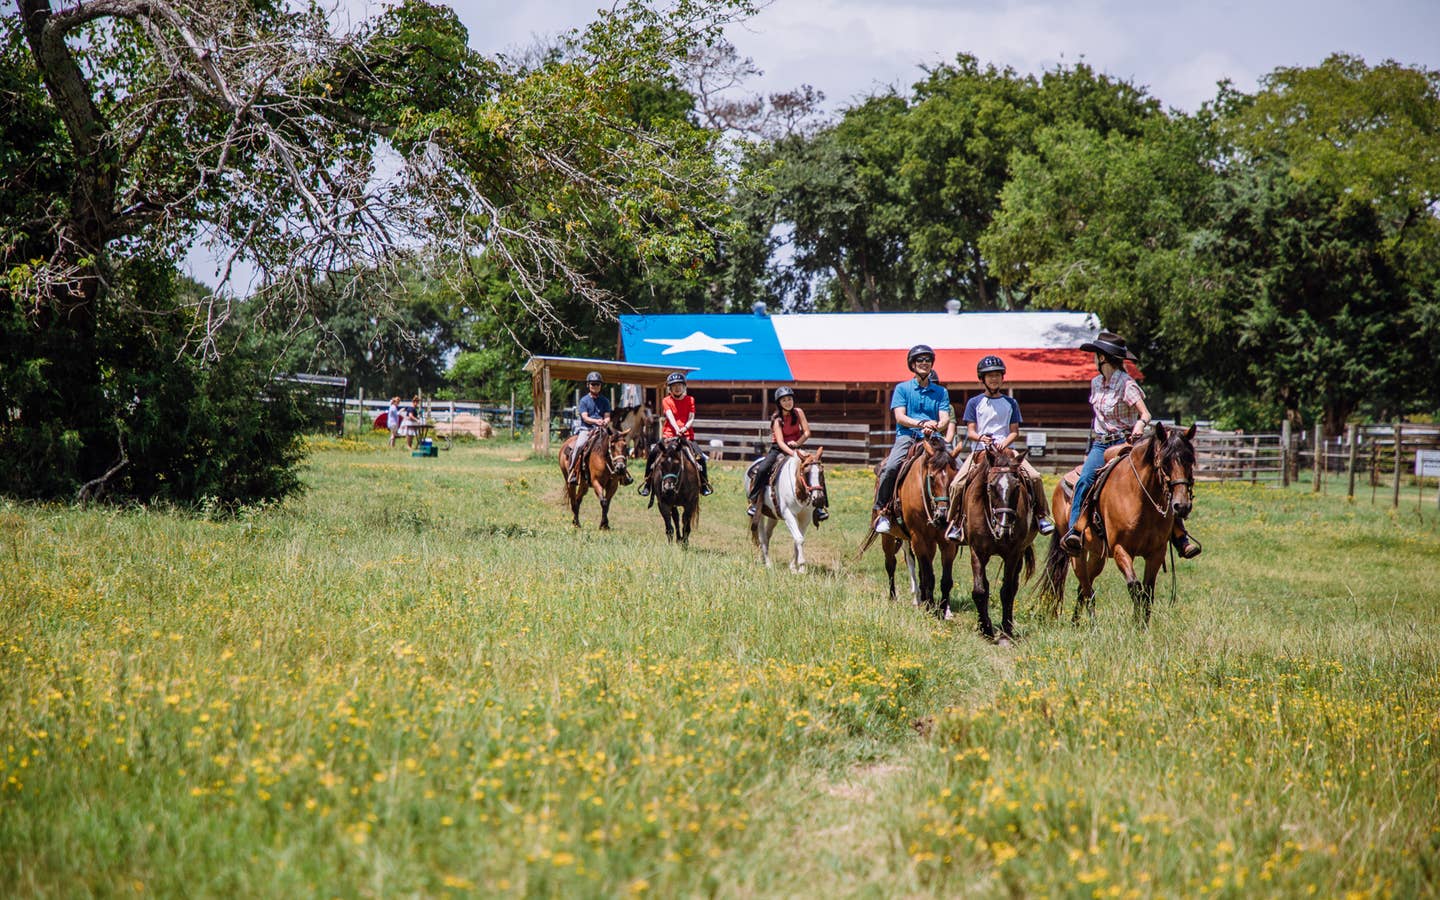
(995, 515)
(936, 507)
(616, 460)
(1165, 508)
(810, 476)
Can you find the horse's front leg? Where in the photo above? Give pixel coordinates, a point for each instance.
(1009, 587)
(666, 511)
(1087, 567)
(603, 496)
(797, 534)
(1153, 565)
(575, 492)
(1126, 564)
(926, 558)
(980, 594)
(947, 576)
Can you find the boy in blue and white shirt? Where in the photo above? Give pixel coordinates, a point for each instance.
(992, 419)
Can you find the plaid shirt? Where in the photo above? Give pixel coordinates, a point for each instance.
(1114, 403)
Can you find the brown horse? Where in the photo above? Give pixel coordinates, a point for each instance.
(999, 521)
(603, 470)
(924, 502)
(675, 481)
(1139, 503)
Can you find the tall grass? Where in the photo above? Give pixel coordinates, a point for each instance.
(420, 679)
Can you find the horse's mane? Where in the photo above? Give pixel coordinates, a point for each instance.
(942, 457)
(1175, 450)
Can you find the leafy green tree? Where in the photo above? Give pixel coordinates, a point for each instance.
(149, 124)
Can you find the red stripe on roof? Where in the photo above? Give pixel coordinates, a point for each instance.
(953, 367)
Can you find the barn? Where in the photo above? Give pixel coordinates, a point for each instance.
(844, 365)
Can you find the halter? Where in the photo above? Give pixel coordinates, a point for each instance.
(934, 507)
(616, 461)
(992, 513)
(813, 478)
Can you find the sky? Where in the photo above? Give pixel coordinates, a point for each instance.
(1178, 49)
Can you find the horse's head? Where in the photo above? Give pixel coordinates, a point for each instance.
(1172, 454)
(618, 452)
(1005, 489)
(939, 468)
(811, 476)
(671, 467)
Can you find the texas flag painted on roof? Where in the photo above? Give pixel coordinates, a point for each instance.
(1038, 347)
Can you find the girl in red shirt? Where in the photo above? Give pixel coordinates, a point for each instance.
(677, 411)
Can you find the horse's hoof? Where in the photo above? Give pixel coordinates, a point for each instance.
(1003, 640)
(949, 615)
(800, 569)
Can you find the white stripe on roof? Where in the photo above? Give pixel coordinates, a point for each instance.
(963, 331)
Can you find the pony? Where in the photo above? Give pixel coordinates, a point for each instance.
(922, 495)
(1145, 492)
(603, 470)
(999, 521)
(799, 491)
(675, 481)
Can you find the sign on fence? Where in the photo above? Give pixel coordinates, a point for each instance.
(1427, 463)
(1035, 440)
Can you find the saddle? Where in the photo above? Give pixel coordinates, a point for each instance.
(1071, 478)
(916, 451)
(769, 491)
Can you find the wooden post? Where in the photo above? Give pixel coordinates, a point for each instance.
(1319, 456)
(1285, 452)
(1395, 495)
(540, 390)
(1351, 432)
(513, 416)
(363, 429)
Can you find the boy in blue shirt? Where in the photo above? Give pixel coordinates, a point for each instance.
(921, 408)
(594, 412)
(992, 419)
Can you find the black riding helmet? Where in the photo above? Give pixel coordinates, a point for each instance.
(783, 392)
(674, 378)
(990, 364)
(594, 378)
(918, 350)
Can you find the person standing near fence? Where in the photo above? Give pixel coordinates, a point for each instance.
(392, 418)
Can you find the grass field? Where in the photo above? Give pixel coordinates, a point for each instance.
(419, 679)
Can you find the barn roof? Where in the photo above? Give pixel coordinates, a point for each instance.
(862, 348)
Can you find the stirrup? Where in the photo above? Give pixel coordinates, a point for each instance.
(1045, 525)
(644, 489)
(706, 490)
(882, 525)
(953, 533)
(752, 510)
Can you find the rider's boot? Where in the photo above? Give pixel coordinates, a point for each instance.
(644, 489)
(1043, 523)
(955, 532)
(819, 514)
(705, 489)
(1186, 546)
(1072, 543)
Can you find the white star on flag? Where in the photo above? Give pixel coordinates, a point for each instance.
(698, 340)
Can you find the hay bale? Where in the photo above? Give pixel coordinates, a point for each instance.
(466, 424)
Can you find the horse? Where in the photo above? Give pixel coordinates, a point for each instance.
(924, 501)
(1139, 502)
(999, 521)
(799, 491)
(603, 470)
(638, 423)
(675, 481)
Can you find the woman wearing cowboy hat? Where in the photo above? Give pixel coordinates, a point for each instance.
(1120, 414)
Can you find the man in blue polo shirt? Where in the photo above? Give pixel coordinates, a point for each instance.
(594, 411)
(921, 408)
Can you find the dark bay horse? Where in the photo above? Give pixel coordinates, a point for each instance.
(999, 521)
(603, 470)
(675, 482)
(923, 498)
(1139, 502)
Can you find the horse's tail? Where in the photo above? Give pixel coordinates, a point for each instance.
(1029, 562)
(865, 544)
(1052, 582)
(693, 514)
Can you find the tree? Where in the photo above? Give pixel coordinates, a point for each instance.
(308, 153)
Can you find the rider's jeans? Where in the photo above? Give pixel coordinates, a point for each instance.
(1094, 462)
(885, 487)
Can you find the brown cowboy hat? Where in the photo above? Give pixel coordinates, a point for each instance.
(1110, 344)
